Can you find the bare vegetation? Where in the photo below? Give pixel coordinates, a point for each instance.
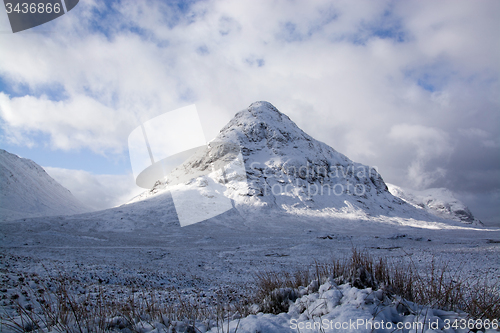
(63, 305)
(437, 286)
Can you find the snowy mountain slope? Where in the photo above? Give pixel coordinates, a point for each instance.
(242, 166)
(26, 190)
(262, 161)
(438, 201)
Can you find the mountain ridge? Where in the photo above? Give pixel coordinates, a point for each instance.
(438, 201)
(27, 190)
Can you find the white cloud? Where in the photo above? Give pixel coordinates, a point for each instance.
(427, 144)
(78, 122)
(96, 191)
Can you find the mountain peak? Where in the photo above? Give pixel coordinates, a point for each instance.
(264, 108)
(262, 124)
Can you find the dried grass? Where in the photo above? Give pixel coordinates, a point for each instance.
(62, 305)
(436, 286)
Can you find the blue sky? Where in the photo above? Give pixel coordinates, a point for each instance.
(410, 87)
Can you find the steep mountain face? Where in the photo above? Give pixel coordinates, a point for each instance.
(26, 190)
(287, 168)
(438, 201)
(263, 160)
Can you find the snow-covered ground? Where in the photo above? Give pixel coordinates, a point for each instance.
(272, 222)
(154, 252)
(343, 308)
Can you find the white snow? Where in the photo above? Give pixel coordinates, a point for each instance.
(343, 308)
(438, 201)
(26, 190)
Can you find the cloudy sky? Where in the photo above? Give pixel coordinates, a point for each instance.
(411, 87)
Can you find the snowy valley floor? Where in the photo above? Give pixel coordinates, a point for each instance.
(221, 256)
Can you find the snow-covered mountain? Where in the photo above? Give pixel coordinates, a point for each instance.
(438, 201)
(26, 190)
(262, 161)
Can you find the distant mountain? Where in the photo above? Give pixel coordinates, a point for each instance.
(26, 190)
(438, 201)
(262, 161)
